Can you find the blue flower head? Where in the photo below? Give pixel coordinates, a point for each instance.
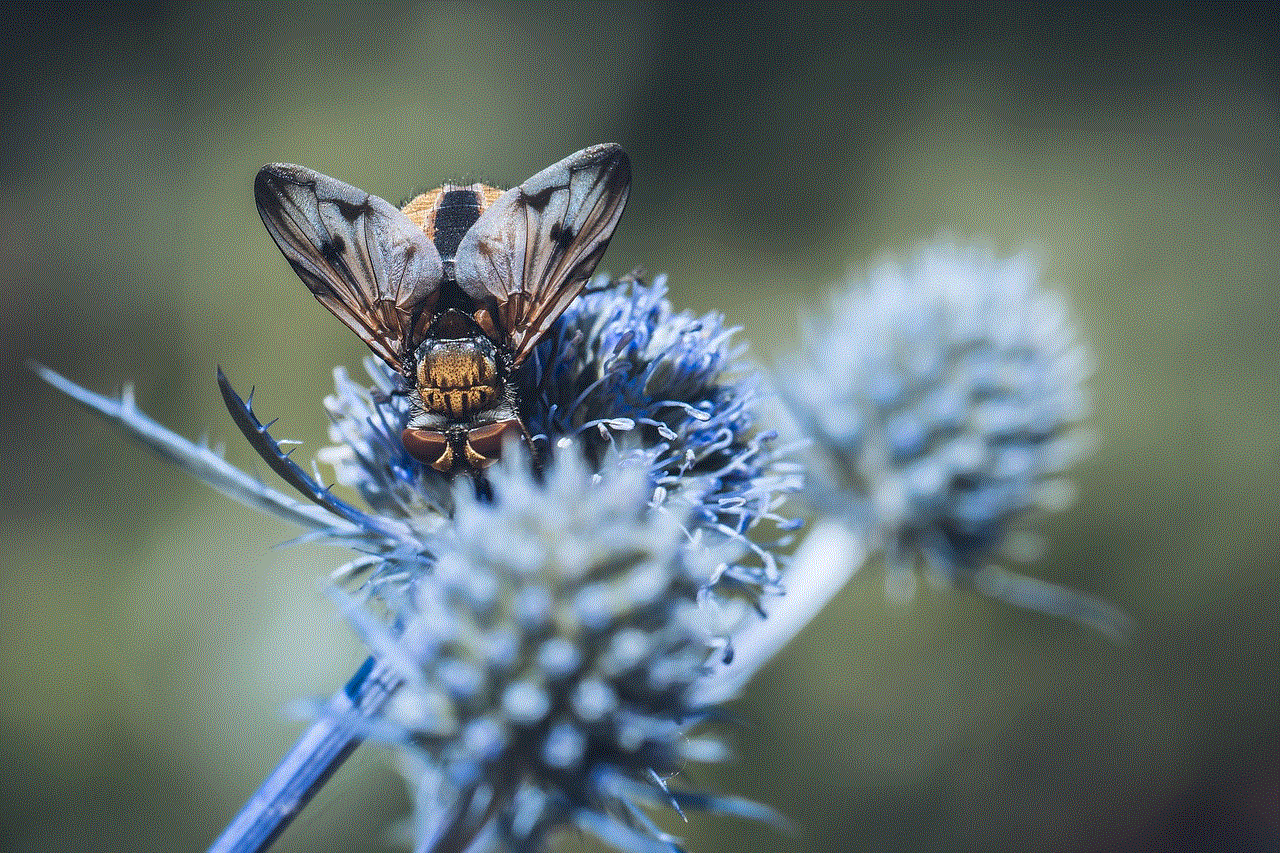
(943, 399)
(550, 660)
(550, 636)
(622, 375)
(554, 635)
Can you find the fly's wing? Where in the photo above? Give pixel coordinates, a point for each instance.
(532, 251)
(361, 257)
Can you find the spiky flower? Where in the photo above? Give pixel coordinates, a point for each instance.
(943, 399)
(553, 642)
(550, 638)
(622, 368)
(622, 374)
(551, 657)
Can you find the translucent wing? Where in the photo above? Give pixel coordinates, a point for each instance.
(361, 257)
(532, 251)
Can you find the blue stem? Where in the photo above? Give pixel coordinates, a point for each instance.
(304, 770)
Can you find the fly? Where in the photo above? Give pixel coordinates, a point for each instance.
(455, 289)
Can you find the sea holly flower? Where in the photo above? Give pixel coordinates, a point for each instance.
(623, 368)
(545, 642)
(578, 613)
(557, 646)
(551, 661)
(622, 374)
(943, 400)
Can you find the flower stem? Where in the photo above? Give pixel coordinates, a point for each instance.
(830, 555)
(304, 770)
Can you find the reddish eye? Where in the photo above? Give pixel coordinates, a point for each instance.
(487, 440)
(429, 448)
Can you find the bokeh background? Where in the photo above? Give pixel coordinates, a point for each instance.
(152, 632)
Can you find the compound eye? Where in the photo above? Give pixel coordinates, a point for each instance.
(484, 444)
(429, 448)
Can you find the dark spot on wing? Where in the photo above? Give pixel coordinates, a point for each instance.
(351, 212)
(562, 235)
(539, 201)
(333, 249)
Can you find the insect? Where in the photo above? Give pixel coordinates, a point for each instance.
(455, 289)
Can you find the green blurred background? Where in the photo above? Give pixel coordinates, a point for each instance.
(152, 632)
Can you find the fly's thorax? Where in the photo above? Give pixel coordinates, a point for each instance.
(459, 377)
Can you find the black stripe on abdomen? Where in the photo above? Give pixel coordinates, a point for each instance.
(458, 211)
